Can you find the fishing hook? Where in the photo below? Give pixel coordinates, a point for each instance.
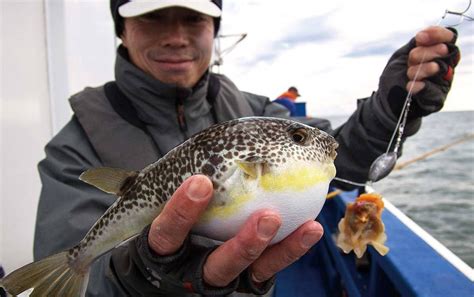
(462, 14)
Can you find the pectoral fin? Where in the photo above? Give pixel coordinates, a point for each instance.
(109, 180)
(252, 169)
(382, 249)
(346, 248)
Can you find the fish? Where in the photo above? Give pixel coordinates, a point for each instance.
(253, 163)
(362, 225)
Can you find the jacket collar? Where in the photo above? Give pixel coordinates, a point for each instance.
(152, 97)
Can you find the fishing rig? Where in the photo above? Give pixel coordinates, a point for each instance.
(385, 163)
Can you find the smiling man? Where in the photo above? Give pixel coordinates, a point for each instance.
(178, 53)
(162, 94)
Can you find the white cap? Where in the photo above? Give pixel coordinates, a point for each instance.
(139, 7)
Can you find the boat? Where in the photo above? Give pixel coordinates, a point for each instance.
(416, 265)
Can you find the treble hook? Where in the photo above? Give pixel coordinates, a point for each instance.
(462, 14)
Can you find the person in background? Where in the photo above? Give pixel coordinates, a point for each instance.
(287, 99)
(162, 94)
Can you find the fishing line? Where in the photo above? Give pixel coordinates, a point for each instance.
(350, 182)
(400, 127)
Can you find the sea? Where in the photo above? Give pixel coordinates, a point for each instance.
(437, 192)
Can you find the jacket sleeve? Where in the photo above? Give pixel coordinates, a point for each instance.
(68, 207)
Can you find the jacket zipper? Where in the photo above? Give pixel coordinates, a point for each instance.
(180, 114)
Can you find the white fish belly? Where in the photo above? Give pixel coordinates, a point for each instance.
(295, 208)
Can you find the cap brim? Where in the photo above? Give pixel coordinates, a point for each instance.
(140, 7)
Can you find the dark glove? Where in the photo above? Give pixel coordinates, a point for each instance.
(178, 274)
(181, 272)
(392, 86)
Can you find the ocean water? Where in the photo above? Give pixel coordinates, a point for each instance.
(437, 192)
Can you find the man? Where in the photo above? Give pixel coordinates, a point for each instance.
(287, 99)
(163, 93)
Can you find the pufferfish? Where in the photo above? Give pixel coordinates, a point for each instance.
(253, 163)
(362, 225)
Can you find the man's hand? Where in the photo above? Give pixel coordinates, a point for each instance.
(169, 230)
(249, 248)
(430, 44)
(435, 51)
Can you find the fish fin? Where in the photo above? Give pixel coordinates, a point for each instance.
(110, 180)
(380, 247)
(52, 276)
(252, 169)
(342, 225)
(342, 239)
(360, 250)
(343, 245)
(126, 241)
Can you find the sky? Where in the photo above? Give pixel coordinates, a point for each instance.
(333, 51)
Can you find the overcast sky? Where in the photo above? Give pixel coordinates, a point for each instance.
(333, 51)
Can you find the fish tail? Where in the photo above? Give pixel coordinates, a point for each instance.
(52, 276)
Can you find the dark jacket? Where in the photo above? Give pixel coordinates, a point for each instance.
(98, 136)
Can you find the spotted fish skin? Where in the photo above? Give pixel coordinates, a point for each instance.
(213, 152)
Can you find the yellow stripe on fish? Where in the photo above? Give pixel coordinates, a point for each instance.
(297, 179)
(293, 179)
(229, 209)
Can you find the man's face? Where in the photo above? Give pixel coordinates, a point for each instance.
(173, 45)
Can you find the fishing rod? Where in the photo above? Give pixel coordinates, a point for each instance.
(439, 149)
(401, 165)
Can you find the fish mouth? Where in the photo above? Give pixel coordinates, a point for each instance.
(333, 145)
(327, 143)
(333, 153)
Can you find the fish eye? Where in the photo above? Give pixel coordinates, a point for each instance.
(299, 136)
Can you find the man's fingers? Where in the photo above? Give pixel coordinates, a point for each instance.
(433, 35)
(421, 72)
(170, 228)
(424, 70)
(235, 255)
(424, 54)
(430, 45)
(284, 253)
